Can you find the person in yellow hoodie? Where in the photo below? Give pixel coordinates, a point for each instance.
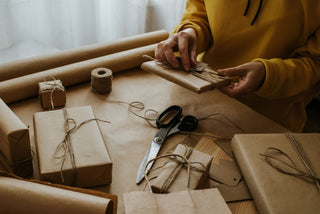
(272, 46)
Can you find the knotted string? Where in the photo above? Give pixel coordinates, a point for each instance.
(182, 161)
(288, 166)
(201, 70)
(66, 146)
(52, 85)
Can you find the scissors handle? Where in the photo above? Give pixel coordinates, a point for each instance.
(188, 123)
(173, 112)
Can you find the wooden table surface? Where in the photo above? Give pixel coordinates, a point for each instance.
(128, 137)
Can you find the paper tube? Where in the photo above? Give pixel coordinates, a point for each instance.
(18, 196)
(27, 86)
(40, 63)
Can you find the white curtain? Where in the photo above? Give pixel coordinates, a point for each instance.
(33, 27)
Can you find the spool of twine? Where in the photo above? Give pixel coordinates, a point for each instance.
(101, 80)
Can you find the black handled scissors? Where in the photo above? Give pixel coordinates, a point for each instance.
(175, 124)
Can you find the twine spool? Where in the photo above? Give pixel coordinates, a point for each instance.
(101, 80)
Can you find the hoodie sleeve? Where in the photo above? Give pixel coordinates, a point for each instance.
(295, 75)
(195, 16)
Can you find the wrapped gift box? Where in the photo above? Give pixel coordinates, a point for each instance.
(14, 143)
(205, 201)
(198, 172)
(92, 163)
(52, 94)
(272, 190)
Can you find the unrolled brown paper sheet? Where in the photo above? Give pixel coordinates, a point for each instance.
(40, 63)
(27, 86)
(20, 196)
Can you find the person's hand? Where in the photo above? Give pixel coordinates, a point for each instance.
(184, 42)
(251, 76)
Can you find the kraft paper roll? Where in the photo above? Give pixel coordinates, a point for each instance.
(101, 80)
(19, 196)
(27, 86)
(40, 63)
(14, 136)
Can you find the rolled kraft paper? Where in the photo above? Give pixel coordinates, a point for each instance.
(14, 136)
(27, 86)
(18, 196)
(40, 63)
(101, 80)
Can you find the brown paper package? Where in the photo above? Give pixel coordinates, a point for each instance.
(27, 86)
(92, 160)
(197, 178)
(52, 91)
(36, 64)
(14, 142)
(204, 201)
(183, 78)
(273, 191)
(23, 196)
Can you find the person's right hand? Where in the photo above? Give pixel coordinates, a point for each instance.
(184, 42)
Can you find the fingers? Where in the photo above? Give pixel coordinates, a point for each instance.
(251, 76)
(164, 51)
(184, 42)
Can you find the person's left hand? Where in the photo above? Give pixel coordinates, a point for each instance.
(251, 76)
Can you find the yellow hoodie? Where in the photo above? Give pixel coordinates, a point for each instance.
(283, 34)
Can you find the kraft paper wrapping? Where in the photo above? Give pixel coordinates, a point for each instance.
(20, 196)
(27, 86)
(40, 63)
(93, 165)
(273, 191)
(52, 94)
(197, 178)
(205, 201)
(14, 136)
(128, 146)
(183, 78)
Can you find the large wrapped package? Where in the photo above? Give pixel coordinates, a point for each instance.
(71, 148)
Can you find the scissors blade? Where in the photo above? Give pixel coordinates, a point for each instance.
(152, 153)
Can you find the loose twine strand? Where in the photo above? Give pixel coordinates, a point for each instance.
(290, 167)
(66, 146)
(140, 106)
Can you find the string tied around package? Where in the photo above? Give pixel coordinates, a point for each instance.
(52, 84)
(64, 148)
(182, 161)
(200, 70)
(283, 163)
(101, 80)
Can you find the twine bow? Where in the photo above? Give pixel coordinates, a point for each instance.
(182, 161)
(283, 163)
(52, 85)
(65, 147)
